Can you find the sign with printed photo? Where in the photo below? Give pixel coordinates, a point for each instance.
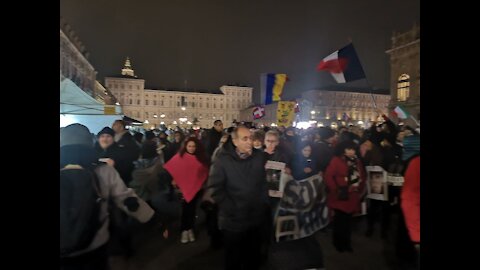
(377, 187)
(275, 178)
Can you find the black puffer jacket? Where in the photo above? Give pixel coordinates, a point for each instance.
(239, 188)
(130, 152)
(213, 140)
(123, 164)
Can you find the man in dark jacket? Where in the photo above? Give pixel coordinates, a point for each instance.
(129, 150)
(107, 149)
(214, 136)
(237, 179)
(212, 141)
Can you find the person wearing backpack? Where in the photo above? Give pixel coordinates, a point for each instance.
(85, 188)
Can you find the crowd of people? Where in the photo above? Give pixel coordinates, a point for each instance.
(163, 176)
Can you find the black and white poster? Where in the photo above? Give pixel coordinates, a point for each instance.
(275, 178)
(377, 187)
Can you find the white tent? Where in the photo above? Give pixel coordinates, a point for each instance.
(76, 106)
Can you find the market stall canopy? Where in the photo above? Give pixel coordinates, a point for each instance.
(74, 100)
(76, 106)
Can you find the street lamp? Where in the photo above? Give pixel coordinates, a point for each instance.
(183, 108)
(312, 112)
(162, 115)
(155, 116)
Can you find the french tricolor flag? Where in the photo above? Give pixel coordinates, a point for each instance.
(343, 64)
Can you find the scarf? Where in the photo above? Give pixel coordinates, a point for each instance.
(353, 177)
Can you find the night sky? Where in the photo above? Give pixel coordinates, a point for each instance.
(210, 43)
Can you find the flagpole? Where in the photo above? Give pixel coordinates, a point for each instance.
(350, 41)
(413, 118)
(371, 93)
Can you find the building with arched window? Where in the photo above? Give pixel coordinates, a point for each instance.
(405, 71)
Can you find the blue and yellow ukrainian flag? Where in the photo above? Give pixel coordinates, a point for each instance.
(274, 87)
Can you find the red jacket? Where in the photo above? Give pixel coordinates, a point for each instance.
(335, 174)
(411, 199)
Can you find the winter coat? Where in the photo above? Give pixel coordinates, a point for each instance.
(336, 174)
(323, 153)
(213, 141)
(122, 162)
(129, 152)
(112, 187)
(410, 199)
(146, 178)
(239, 188)
(280, 155)
(298, 165)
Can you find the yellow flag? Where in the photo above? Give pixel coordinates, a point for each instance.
(280, 80)
(285, 113)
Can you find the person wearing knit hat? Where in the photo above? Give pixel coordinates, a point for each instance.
(75, 134)
(76, 145)
(110, 152)
(106, 130)
(77, 152)
(107, 148)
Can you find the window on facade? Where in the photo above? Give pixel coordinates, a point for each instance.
(178, 103)
(403, 87)
(121, 86)
(154, 103)
(130, 101)
(208, 106)
(146, 115)
(138, 101)
(146, 101)
(227, 105)
(161, 102)
(193, 105)
(221, 106)
(138, 87)
(130, 87)
(115, 85)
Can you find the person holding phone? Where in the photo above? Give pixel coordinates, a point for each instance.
(304, 164)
